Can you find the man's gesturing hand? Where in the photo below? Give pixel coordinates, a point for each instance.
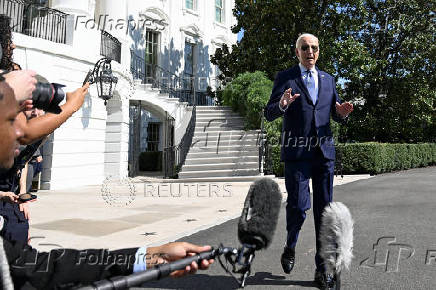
(344, 109)
(174, 251)
(287, 98)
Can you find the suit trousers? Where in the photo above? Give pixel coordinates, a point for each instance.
(297, 175)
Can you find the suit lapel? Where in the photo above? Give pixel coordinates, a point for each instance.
(300, 83)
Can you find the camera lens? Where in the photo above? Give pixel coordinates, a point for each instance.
(47, 97)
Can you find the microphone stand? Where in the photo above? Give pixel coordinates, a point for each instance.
(163, 270)
(244, 258)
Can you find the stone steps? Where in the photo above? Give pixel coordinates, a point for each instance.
(218, 173)
(220, 154)
(221, 159)
(221, 148)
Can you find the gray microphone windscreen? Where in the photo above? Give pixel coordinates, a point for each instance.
(336, 236)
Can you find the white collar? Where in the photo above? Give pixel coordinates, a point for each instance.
(303, 69)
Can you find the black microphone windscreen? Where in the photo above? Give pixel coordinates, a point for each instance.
(259, 216)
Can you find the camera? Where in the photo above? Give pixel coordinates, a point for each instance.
(47, 97)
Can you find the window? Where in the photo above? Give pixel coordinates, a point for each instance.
(151, 53)
(189, 66)
(189, 58)
(219, 11)
(153, 137)
(191, 4)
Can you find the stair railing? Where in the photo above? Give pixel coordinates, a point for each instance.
(265, 152)
(175, 156)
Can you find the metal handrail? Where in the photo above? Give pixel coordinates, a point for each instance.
(110, 46)
(175, 156)
(265, 154)
(35, 20)
(180, 87)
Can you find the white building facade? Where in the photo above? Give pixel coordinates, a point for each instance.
(151, 39)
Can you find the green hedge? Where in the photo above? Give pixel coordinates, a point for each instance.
(374, 158)
(248, 94)
(150, 161)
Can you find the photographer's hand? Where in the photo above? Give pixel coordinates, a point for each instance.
(8, 196)
(75, 99)
(40, 127)
(174, 251)
(24, 207)
(22, 82)
(27, 105)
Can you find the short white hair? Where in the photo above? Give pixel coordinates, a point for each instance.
(302, 36)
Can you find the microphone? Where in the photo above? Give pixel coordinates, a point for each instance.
(260, 213)
(336, 237)
(255, 231)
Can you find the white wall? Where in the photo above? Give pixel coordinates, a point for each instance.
(93, 143)
(76, 154)
(198, 27)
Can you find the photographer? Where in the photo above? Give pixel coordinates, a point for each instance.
(16, 226)
(69, 266)
(24, 85)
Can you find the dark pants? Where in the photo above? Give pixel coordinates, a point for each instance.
(297, 175)
(16, 226)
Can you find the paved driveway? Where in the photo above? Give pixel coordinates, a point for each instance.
(394, 242)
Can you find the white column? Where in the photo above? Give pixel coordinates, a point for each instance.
(117, 139)
(85, 38)
(113, 18)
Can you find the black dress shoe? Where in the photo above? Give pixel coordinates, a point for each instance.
(288, 260)
(326, 281)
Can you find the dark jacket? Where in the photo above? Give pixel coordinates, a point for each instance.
(63, 268)
(305, 125)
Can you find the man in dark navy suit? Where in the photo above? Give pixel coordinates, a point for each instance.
(306, 97)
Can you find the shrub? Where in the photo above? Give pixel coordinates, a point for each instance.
(248, 94)
(374, 158)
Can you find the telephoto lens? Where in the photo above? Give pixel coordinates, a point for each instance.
(47, 97)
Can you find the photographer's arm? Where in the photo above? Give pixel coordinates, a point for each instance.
(46, 270)
(39, 127)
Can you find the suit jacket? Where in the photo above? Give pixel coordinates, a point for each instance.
(63, 268)
(305, 125)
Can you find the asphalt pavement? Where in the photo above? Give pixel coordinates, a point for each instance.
(394, 240)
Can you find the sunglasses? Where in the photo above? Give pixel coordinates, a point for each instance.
(306, 47)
